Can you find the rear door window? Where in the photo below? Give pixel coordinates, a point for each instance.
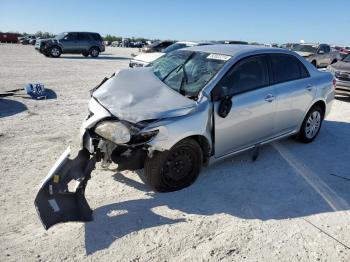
(287, 68)
(83, 37)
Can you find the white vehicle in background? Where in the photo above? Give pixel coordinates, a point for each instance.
(145, 59)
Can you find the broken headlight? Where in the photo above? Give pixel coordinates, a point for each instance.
(114, 131)
(143, 137)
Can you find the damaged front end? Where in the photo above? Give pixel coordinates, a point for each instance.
(119, 128)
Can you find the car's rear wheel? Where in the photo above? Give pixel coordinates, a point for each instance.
(94, 52)
(86, 54)
(311, 125)
(174, 169)
(55, 51)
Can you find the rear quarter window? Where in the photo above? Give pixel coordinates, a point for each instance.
(96, 37)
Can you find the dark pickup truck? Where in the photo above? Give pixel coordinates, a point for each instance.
(85, 43)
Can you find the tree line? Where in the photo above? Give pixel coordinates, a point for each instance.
(108, 37)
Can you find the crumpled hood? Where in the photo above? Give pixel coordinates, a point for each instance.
(342, 66)
(137, 94)
(304, 54)
(148, 57)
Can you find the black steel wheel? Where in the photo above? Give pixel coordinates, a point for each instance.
(175, 169)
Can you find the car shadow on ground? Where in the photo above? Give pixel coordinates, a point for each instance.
(101, 57)
(288, 180)
(10, 107)
(50, 94)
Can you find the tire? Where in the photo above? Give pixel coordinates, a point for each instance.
(174, 169)
(94, 52)
(334, 61)
(86, 54)
(314, 63)
(55, 52)
(311, 125)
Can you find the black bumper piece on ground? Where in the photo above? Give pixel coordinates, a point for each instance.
(54, 203)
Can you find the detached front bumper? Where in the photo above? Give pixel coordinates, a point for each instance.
(54, 202)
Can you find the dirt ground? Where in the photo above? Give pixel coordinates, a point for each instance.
(292, 204)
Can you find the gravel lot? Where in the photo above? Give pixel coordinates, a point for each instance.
(292, 204)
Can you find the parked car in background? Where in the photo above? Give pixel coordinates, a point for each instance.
(145, 59)
(342, 50)
(85, 43)
(193, 107)
(231, 42)
(29, 39)
(137, 44)
(288, 46)
(10, 37)
(235, 42)
(158, 46)
(341, 72)
(116, 43)
(271, 45)
(320, 55)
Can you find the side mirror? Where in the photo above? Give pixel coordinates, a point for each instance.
(226, 101)
(225, 106)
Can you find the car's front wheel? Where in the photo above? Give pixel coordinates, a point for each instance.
(94, 52)
(55, 51)
(311, 125)
(174, 169)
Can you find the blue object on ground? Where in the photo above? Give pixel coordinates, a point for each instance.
(36, 91)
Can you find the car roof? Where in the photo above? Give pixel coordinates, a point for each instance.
(67, 32)
(233, 50)
(313, 44)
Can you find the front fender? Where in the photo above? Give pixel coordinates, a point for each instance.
(172, 130)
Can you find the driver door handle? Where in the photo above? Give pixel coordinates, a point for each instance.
(269, 98)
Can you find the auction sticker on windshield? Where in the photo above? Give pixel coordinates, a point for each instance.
(219, 57)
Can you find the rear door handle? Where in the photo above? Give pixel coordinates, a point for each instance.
(308, 87)
(269, 98)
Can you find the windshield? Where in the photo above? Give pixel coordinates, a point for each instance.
(305, 48)
(61, 36)
(347, 58)
(174, 47)
(187, 72)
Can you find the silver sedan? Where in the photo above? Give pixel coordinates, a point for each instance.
(188, 109)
